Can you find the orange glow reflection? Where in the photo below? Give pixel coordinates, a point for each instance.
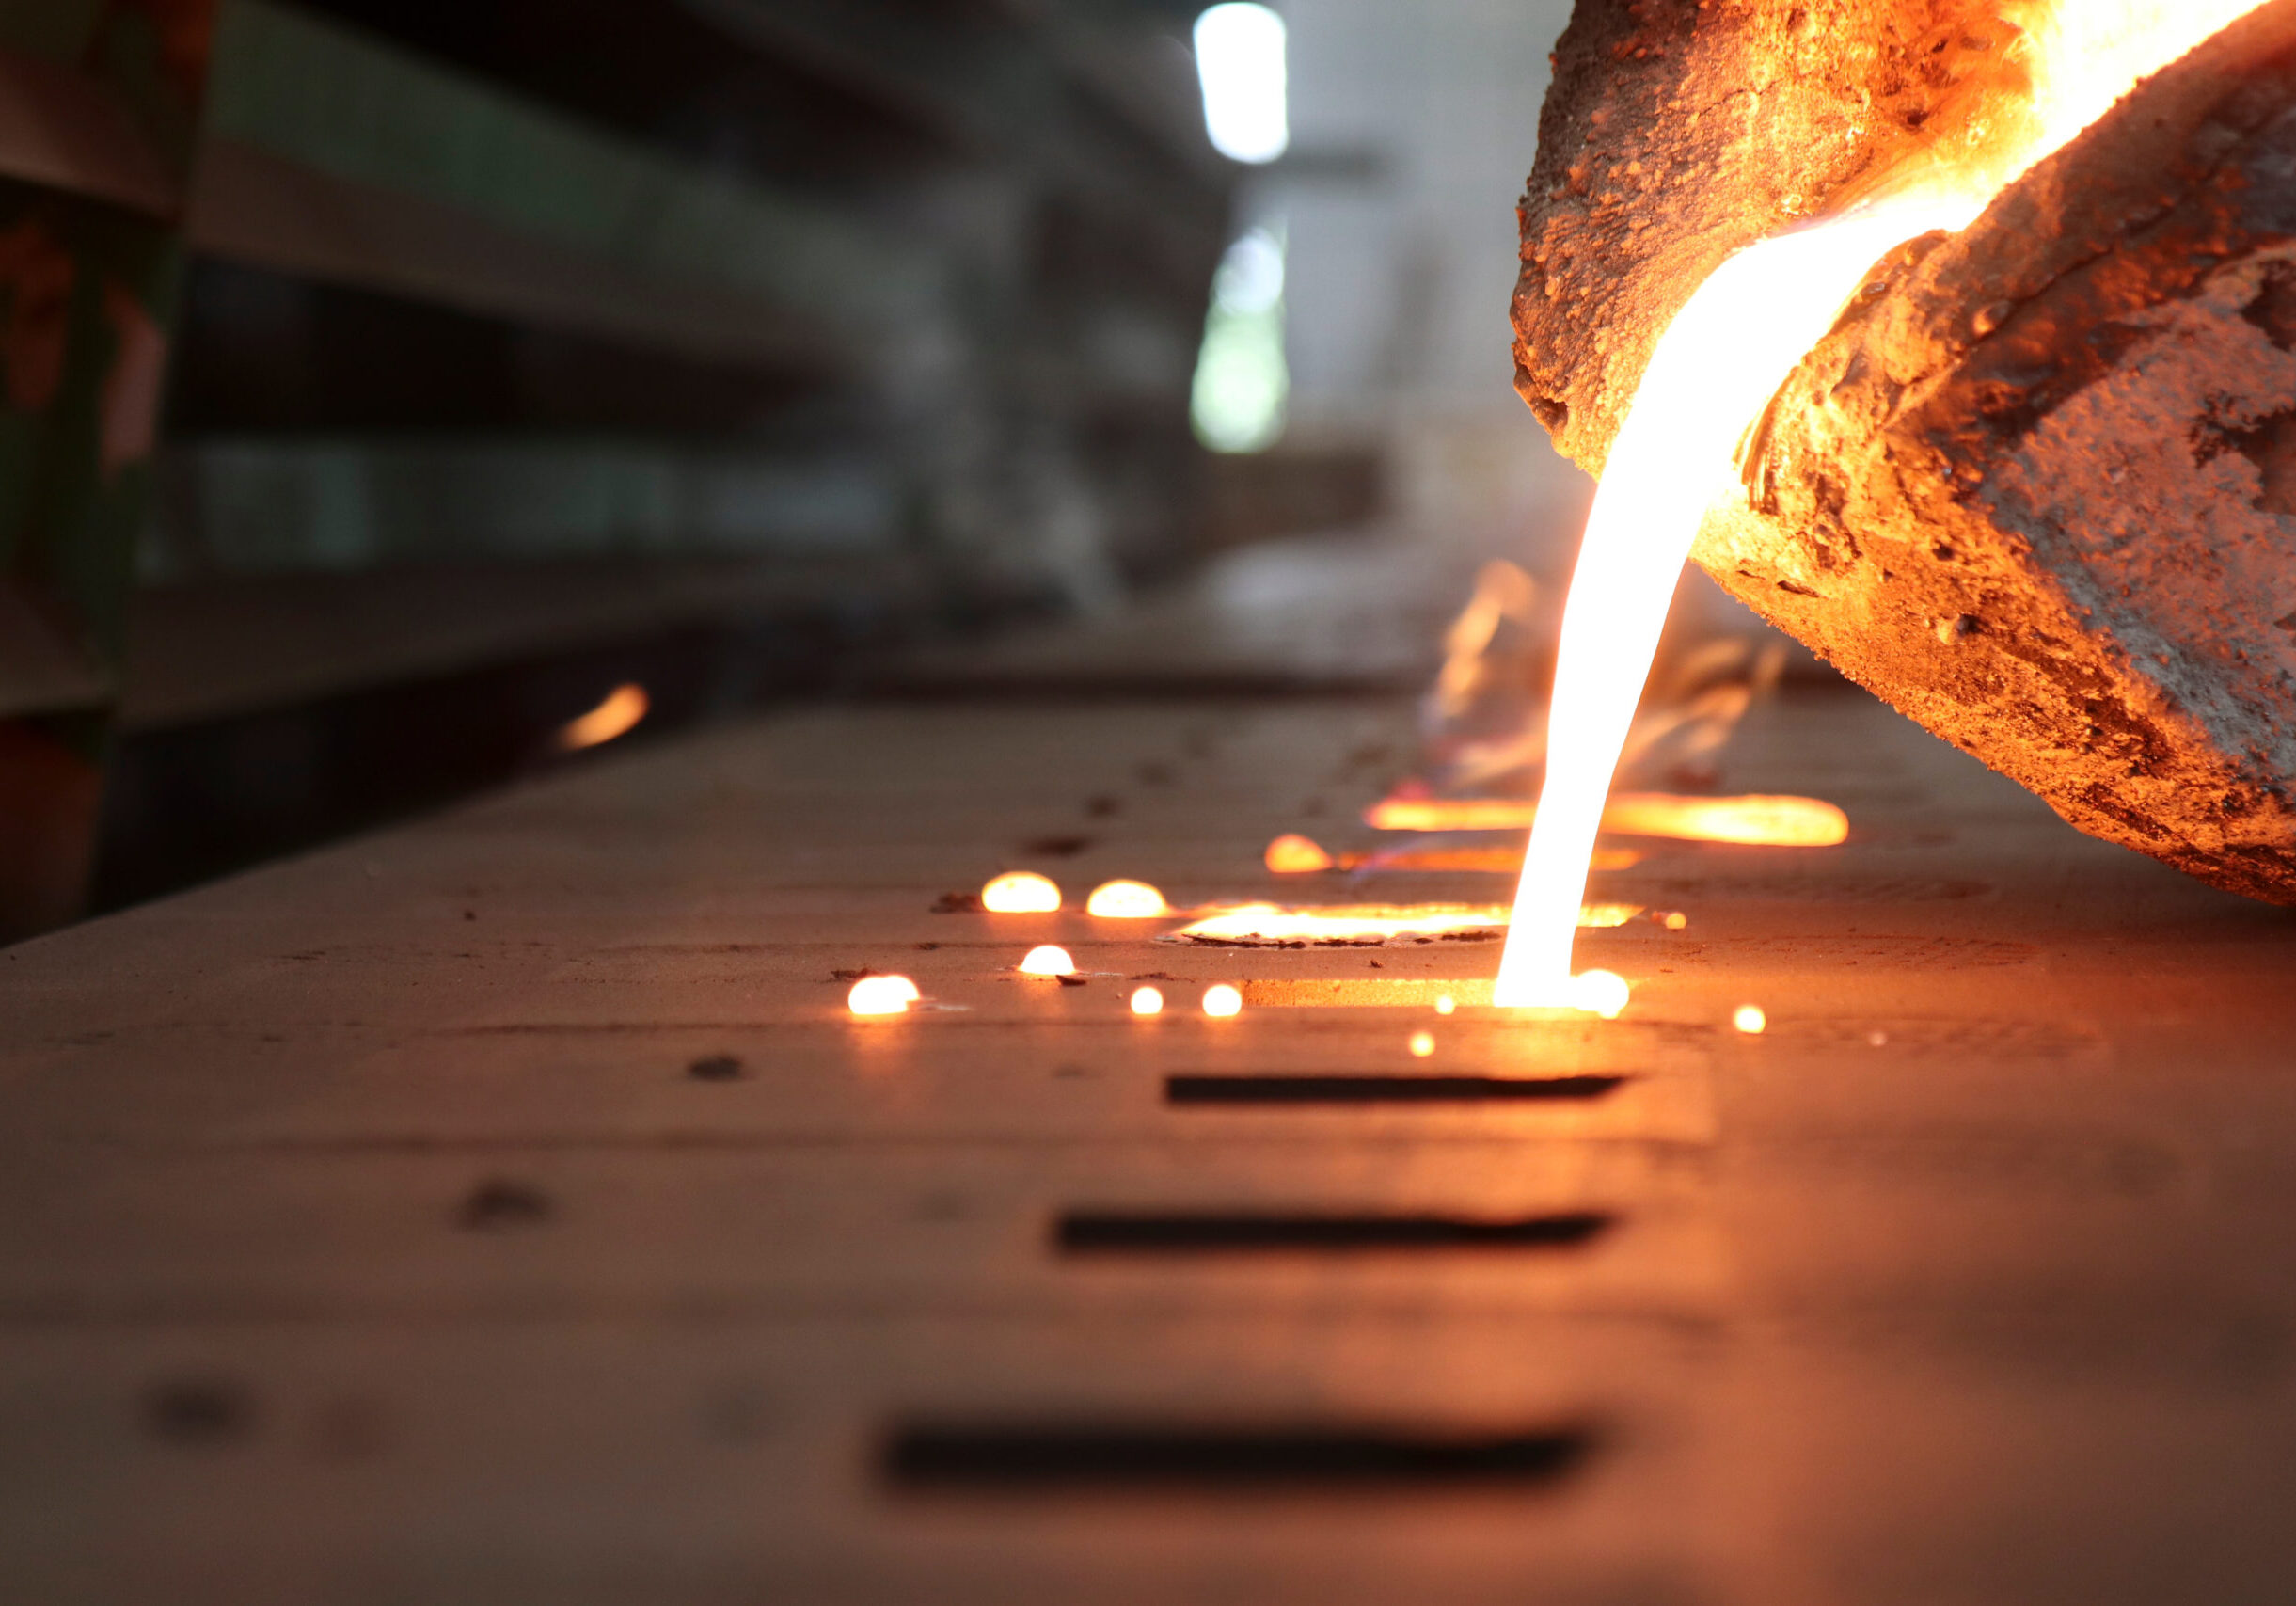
(1267, 925)
(1486, 861)
(1766, 821)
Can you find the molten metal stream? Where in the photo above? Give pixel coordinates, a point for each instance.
(1721, 360)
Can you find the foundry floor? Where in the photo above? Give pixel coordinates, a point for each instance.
(366, 1235)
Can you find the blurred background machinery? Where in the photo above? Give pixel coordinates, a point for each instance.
(387, 384)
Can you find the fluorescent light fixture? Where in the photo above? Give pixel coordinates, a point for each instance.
(1240, 61)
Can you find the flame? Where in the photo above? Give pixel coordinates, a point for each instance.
(1047, 960)
(1764, 821)
(883, 995)
(617, 715)
(1021, 892)
(1266, 925)
(1292, 854)
(1714, 371)
(1127, 901)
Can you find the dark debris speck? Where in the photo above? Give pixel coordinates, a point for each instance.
(200, 1411)
(498, 1203)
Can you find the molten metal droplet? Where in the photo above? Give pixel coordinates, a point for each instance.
(1295, 855)
(1223, 1001)
(1127, 901)
(1147, 1001)
(883, 995)
(1422, 1044)
(1677, 921)
(1599, 993)
(1047, 961)
(1446, 1004)
(617, 715)
(1021, 892)
(1750, 1020)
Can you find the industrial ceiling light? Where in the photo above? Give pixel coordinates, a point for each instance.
(1239, 62)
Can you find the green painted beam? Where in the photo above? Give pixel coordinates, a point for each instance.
(364, 112)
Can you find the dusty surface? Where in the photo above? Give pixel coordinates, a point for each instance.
(505, 1209)
(2036, 490)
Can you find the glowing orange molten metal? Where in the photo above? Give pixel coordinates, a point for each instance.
(1265, 925)
(1127, 901)
(1047, 960)
(1719, 364)
(1294, 855)
(1766, 822)
(617, 715)
(881, 995)
(1021, 892)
